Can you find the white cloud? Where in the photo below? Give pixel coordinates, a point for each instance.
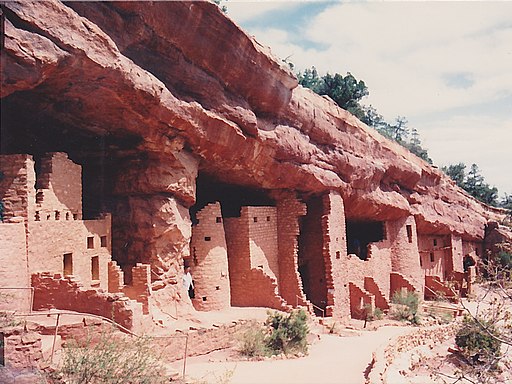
(472, 139)
(244, 10)
(408, 54)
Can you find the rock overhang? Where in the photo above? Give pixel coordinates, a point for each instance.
(214, 99)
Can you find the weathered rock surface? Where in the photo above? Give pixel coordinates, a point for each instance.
(146, 95)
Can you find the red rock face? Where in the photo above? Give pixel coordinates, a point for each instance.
(146, 96)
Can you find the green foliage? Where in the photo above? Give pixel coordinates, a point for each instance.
(288, 332)
(252, 342)
(282, 333)
(407, 306)
(222, 7)
(111, 360)
(479, 340)
(346, 91)
(472, 182)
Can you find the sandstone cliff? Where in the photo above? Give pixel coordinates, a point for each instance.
(149, 95)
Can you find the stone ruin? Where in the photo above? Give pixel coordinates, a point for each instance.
(193, 144)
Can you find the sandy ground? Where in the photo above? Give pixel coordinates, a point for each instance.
(332, 359)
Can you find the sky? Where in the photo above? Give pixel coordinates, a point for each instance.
(445, 66)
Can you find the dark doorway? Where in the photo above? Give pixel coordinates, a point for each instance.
(362, 233)
(311, 255)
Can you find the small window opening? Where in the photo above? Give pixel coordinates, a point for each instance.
(57, 215)
(48, 217)
(218, 220)
(68, 264)
(90, 242)
(2, 353)
(435, 242)
(67, 215)
(268, 218)
(204, 298)
(75, 216)
(421, 261)
(338, 254)
(38, 217)
(103, 241)
(95, 268)
(432, 257)
(255, 219)
(207, 238)
(217, 288)
(409, 233)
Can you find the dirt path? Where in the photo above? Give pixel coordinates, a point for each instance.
(332, 359)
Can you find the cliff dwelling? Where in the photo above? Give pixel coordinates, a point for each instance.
(130, 150)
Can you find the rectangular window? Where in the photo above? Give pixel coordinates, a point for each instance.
(207, 238)
(68, 264)
(435, 242)
(432, 257)
(268, 218)
(409, 233)
(218, 220)
(255, 219)
(90, 242)
(57, 215)
(95, 268)
(421, 261)
(103, 241)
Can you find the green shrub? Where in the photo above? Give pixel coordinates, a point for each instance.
(288, 332)
(252, 342)
(478, 340)
(407, 306)
(111, 360)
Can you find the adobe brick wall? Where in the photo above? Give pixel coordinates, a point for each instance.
(209, 263)
(289, 210)
(140, 287)
(13, 267)
(17, 185)
(55, 291)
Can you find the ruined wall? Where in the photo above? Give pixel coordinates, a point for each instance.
(55, 291)
(209, 262)
(289, 211)
(17, 192)
(253, 282)
(59, 187)
(263, 239)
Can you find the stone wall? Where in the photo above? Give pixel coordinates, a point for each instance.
(17, 192)
(253, 281)
(335, 250)
(209, 261)
(289, 212)
(13, 267)
(87, 255)
(59, 188)
(435, 255)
